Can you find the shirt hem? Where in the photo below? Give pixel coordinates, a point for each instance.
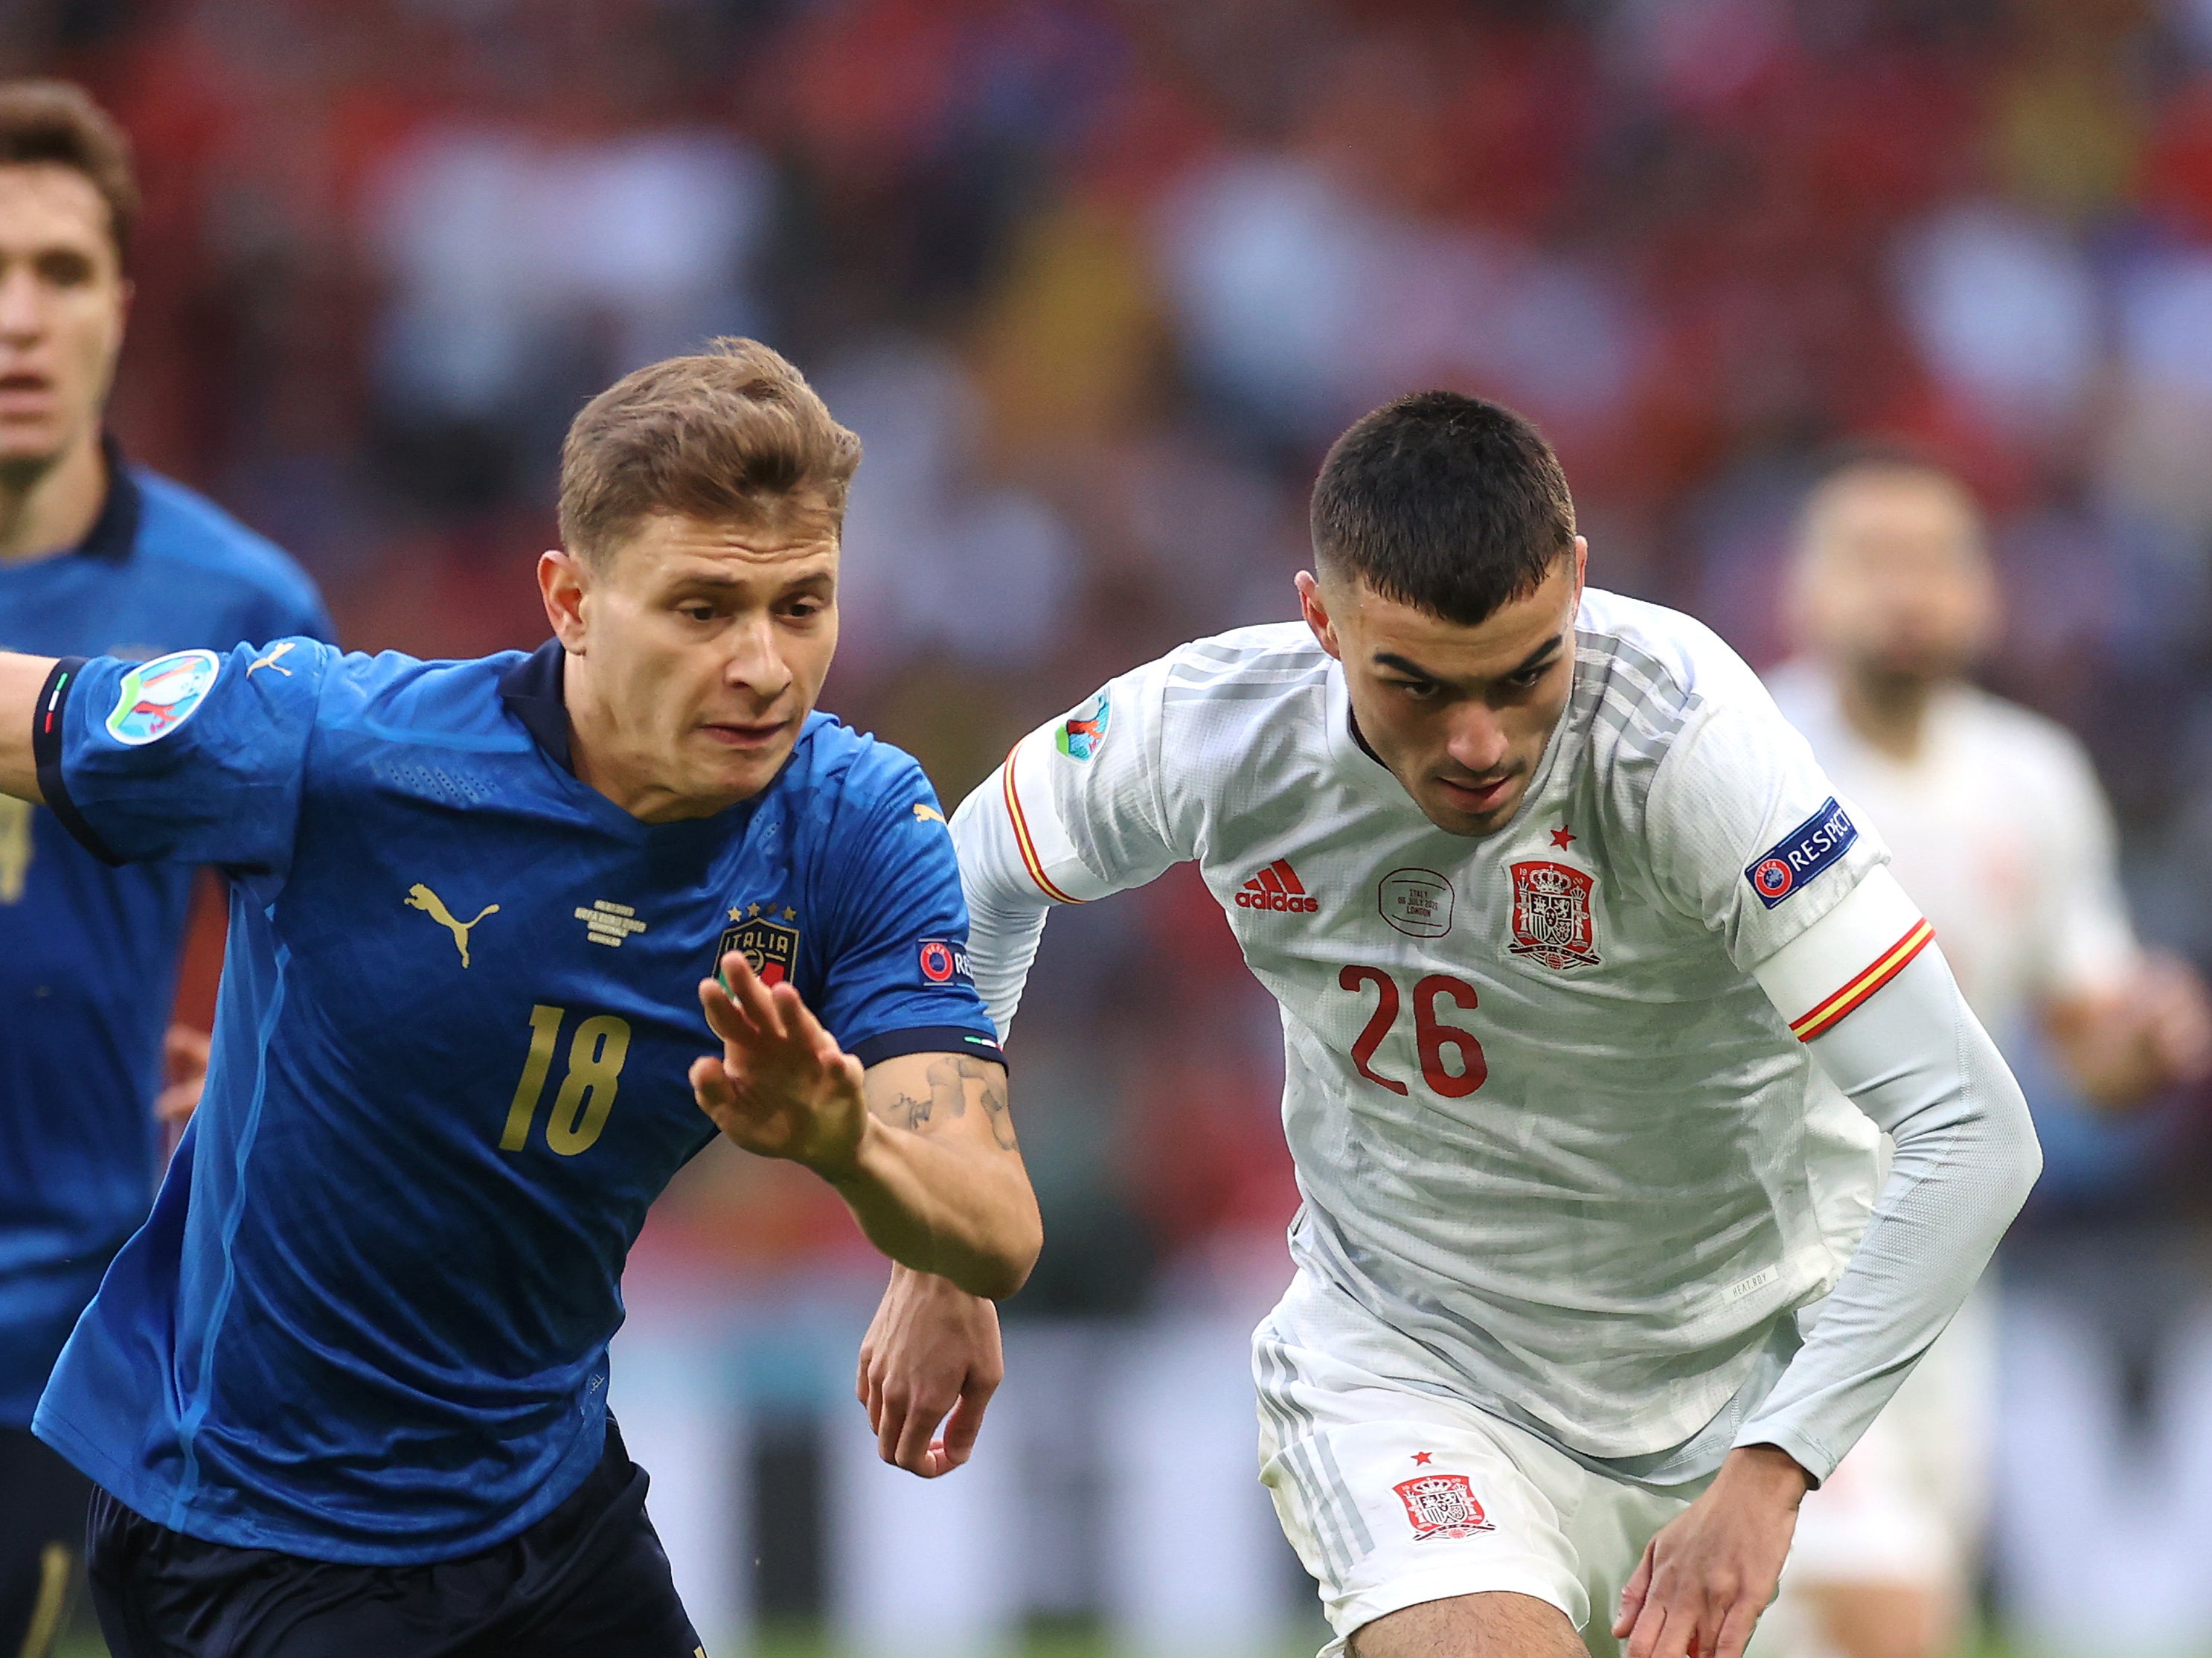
(154, 1500)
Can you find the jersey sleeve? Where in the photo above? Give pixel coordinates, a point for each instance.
(1080, 810)
(1746, 835)
(194, 757)
(897, 978)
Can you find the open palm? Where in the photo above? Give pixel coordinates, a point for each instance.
(782, 1087)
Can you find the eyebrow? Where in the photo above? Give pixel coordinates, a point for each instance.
(1535, 659)
(716, 582)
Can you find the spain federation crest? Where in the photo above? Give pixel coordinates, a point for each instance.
(1442, 1505)
(1552, 920)
(770, 947)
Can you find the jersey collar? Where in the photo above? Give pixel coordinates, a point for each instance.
(114, 534)
(532, 690)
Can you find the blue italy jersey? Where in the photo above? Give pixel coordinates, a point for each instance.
(368, 1318)
(88, 953)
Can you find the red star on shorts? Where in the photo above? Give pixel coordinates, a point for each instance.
(1421, 1458)
(1560, 837)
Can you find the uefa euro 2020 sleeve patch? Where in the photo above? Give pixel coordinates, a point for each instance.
(1081, 732)
(156, 698)
(1814, 844)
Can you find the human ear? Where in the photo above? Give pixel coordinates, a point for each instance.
(562, 583)
(1312, 607)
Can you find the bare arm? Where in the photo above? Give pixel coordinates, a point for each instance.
(920, 1147)
(21, 677)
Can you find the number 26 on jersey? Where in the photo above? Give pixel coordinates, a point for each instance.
(1433, 1039)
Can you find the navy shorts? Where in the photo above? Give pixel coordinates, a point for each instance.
(42, 1504)
(588, 1581)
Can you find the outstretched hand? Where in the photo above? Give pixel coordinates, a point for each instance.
(782, 1087)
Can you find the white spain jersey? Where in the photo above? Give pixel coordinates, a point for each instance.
(1999, 832)
(1551, 1136)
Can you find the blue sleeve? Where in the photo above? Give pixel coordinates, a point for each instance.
(193, 758)
(896, 980)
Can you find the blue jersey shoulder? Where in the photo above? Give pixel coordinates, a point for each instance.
(181, 527)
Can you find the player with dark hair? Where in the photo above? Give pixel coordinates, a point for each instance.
(345, 1392)
(1595, 999)
(96, 555)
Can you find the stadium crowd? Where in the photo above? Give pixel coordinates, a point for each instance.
(1096, 281)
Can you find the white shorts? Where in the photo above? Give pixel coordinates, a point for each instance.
(1393, 1495)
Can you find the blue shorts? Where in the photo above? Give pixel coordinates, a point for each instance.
(588, 1581)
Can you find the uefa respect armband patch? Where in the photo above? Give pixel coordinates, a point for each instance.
(1813, 845)
(156, 698)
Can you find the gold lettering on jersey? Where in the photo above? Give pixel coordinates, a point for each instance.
(270, 660)
(14, 847)
(609, 924)
(419, 897)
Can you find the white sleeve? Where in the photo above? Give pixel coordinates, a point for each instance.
(1746, 835)
(1868, 989)
(1078, 809)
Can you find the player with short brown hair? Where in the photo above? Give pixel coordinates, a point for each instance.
(345, 1392)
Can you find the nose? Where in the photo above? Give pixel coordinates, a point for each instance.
(1477, 742)
(22, 305)
(755, 666)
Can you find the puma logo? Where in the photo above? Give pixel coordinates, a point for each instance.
(14, 847)
(270, 660)
(419, 897)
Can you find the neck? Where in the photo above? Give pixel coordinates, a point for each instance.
(606, 760)
(1889, 710)
(48, 507)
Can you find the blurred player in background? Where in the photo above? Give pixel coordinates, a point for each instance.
(95, 556)
(1583, 970)
(346, 1391)
(1998, 829)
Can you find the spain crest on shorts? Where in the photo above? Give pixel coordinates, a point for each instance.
(770, 947)
(1552, 920)
(1442, 1505)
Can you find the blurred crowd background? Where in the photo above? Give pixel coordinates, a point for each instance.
(1096, 281)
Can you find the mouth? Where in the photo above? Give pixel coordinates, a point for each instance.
(745, 736)
(23, 387)
(1477, 799)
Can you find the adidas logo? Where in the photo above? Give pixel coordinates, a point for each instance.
(1276, 887)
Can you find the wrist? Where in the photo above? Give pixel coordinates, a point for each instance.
(1769, 1472)
(852, 1164)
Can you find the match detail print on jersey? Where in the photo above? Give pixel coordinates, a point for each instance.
(156, 698)
(1277, 887)
(607, 922)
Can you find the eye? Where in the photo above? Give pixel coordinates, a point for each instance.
(1421, 691)
(697, 611)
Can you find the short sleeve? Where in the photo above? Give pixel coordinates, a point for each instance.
(1085, 795)
(1746, 834)
(896, 979)
(196, 756)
